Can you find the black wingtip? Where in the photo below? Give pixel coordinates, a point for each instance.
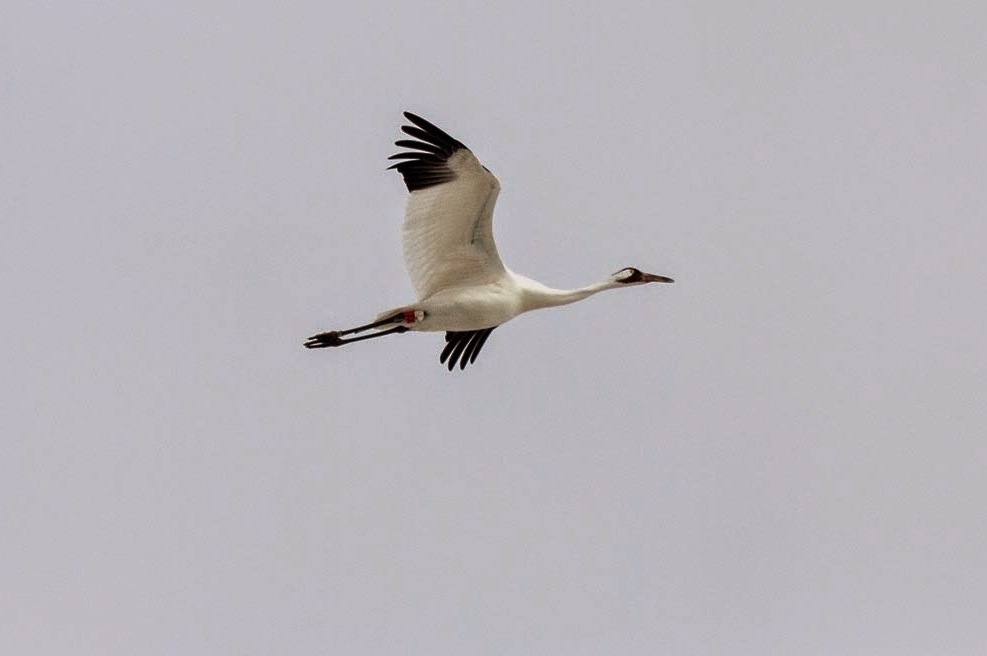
(434, 133)
(418, 120)
(462, 347)
(426, 164)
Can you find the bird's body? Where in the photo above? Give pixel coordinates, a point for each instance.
(470, 307)
(462, 285)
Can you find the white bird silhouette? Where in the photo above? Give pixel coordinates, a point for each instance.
(463, 286)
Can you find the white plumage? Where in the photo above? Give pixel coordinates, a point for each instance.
(462, 285)
(448, 230)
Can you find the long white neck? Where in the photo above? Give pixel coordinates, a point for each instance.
(537, 295)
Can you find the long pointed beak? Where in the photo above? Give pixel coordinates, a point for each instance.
(650, 277)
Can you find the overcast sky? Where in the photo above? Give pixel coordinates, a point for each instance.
(782, 453)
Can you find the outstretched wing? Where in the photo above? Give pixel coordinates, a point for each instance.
(464, 346)
(448, 222)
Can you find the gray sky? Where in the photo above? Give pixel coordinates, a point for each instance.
(781, 453)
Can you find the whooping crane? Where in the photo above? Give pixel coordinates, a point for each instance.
(463, 287)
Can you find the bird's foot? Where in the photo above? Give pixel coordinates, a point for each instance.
(324, 340)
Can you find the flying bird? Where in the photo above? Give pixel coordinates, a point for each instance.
(462, 285)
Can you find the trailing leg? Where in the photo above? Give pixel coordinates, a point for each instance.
(335, 337)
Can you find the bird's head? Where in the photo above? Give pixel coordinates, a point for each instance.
(631, 276)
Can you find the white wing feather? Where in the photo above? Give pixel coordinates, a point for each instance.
(448, 230)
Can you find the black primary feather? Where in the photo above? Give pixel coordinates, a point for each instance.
(427, 164)
(463, 346)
